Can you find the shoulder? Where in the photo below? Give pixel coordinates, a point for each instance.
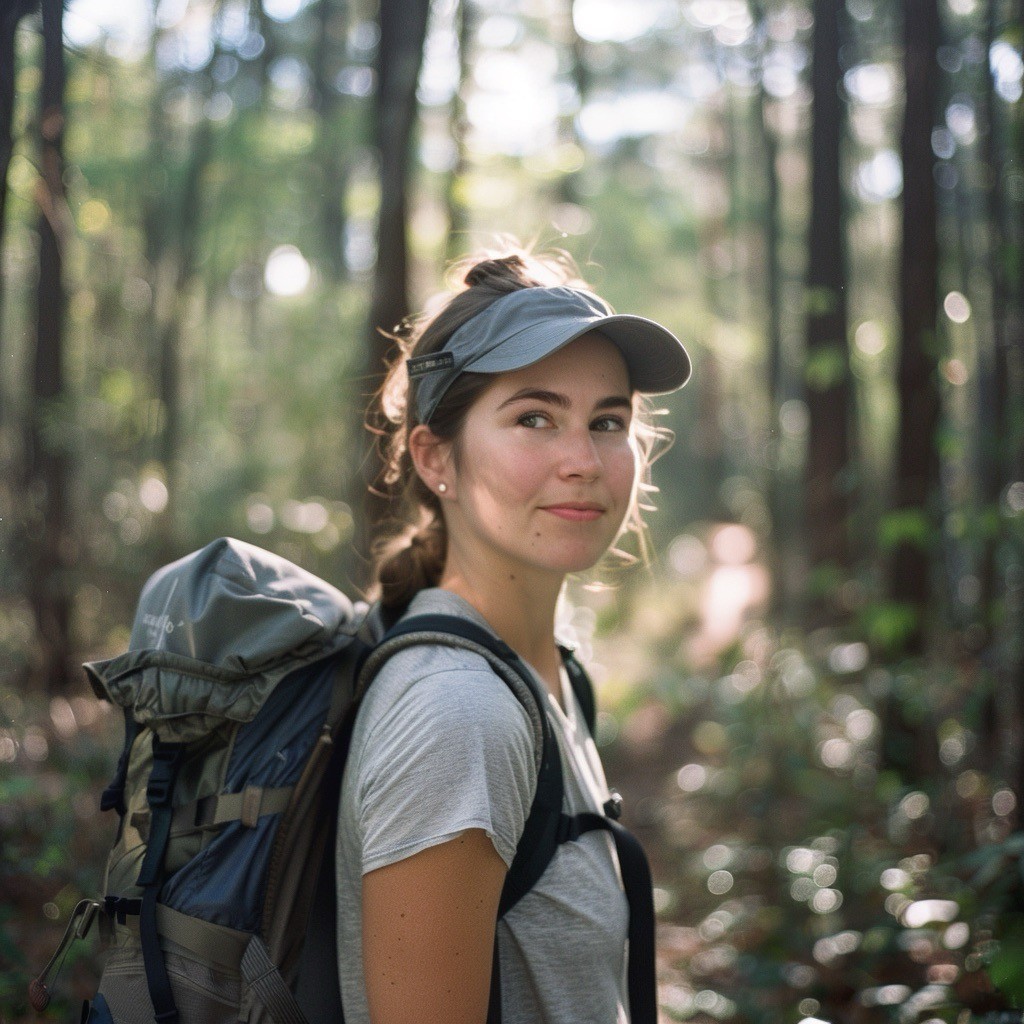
(437, 687)
(438, 715)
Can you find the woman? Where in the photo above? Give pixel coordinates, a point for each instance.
(513, 444)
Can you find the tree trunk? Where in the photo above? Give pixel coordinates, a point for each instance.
(908, 745)
(172, 227)
(995, 433)
(917, 459)
(782, 528)
(1010, 634)
(1013, 616)
(455, 200)
(177, 280)
(567, 187)
(827, 369)
(49, 537)
(403, 29)
(331, 148)
(10, 18)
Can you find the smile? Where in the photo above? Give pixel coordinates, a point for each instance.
(575, 513)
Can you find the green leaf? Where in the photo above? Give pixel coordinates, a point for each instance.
(1007, 966)
(905, 526)
(889, 623)
(825, 367)
(820, 300)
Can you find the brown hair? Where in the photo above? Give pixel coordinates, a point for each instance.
(411, 547)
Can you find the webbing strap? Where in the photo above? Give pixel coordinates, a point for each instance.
(113, 796)
(581, 686)
(220, 946)
(268, 986)
(636, 880)
(212, 811)
(159, 791)
(494, 999)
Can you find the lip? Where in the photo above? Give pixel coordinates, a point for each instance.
(576, 511)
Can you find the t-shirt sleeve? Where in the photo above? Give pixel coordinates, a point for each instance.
(454, 752)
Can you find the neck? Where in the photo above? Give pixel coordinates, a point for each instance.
(520, 611)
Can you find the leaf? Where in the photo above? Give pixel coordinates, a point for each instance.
(1007, 966)
(825, 367)
(904, 526)
(889, 623)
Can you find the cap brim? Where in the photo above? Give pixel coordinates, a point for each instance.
(655, 358)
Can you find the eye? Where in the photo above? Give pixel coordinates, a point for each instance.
(532, 419)
(608, 424)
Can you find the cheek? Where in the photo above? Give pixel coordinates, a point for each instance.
(505, 475)
(622, 469)
(523, 472)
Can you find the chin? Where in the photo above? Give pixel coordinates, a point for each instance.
(574, 562)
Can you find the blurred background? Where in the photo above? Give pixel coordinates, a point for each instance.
(812, 697)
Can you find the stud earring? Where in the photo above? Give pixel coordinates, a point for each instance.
(442, 488)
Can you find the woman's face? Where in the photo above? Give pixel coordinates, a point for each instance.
(546, 465)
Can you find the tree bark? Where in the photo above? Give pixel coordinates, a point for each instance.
(49, 535)
(827, 369)
(782, 528)
(10, 19)
(403, 29)
(909, 746)
(172, 228)
(178, 281)
(995, 433)
(454, 198)
(1013, 616)
(331, 155)
(917, 460)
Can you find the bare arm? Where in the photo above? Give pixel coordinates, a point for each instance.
(428, 933)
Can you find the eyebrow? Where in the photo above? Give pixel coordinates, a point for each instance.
(556, 398)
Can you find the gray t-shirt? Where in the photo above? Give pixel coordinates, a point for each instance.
(442, 745)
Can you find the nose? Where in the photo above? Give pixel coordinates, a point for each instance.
(580, 458)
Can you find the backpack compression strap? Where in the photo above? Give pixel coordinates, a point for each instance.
(167, 758)
(547, 826)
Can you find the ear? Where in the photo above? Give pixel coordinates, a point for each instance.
(432, 458)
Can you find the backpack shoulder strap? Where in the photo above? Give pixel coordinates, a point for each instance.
(546, 824)
(582, 687)
(539, 840)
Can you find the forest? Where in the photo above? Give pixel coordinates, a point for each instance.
(212, 212)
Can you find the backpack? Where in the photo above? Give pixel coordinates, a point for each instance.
(239, 690)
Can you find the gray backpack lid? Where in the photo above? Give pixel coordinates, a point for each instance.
(214, 633)
(236, 606)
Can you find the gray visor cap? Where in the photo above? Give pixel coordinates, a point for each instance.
(523, 327)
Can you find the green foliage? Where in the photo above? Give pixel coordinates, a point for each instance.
(784, 744)
(905, 526)
(799, 875)
(821, 301)
(55, 757)
(1006, 966)
(825, 367)
(888, 624)
(825, 579)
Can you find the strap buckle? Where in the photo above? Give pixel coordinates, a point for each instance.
(120, 908)
(613, 805)
(166, 757)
